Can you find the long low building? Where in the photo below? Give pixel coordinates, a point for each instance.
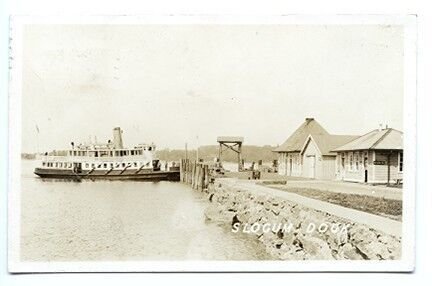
(376, 157)
(311, 152)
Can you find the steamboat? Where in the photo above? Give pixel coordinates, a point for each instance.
(110, 161)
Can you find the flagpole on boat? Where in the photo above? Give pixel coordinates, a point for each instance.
(37, 140)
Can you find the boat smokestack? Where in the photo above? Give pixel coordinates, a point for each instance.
(117, 138)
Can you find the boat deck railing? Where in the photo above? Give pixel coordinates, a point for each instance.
(90, 159)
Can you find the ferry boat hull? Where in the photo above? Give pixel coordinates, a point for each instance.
(143, 175)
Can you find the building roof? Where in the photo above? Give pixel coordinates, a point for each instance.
(327, 142)
(230, 139)
(296, 141)
(385, 139)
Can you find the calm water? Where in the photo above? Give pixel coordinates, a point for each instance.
(105, 220)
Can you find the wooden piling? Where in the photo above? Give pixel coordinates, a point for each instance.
(195, 173)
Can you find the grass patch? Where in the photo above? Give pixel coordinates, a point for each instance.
(379, 206)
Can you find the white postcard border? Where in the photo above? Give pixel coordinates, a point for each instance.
(405, 264)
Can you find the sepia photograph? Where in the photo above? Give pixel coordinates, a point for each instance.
(195, 143)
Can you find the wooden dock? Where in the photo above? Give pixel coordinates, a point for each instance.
(195, 173)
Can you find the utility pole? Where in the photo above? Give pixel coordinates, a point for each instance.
(197, 150)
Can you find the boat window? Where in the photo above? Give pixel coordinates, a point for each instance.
(105, 165)
(87, 165)
(43, 163)
(135, 164)
(150, 148)
(112, 165)
(123, 165)
(111, 153)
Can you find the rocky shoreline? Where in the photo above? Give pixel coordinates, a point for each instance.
(290, 231)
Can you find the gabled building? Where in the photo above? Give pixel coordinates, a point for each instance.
(318, 162)
(376, 157)
(307, 152)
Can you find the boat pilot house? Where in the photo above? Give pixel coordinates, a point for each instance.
(311, 152)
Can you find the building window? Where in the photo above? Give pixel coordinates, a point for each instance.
(351, 161)
(400, 162)
(356, 158)
(105, 165)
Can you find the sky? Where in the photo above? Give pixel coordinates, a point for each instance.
(172, 84)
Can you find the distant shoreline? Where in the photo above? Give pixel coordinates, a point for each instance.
(250, 153)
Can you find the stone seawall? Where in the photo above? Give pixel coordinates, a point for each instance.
(291, 231)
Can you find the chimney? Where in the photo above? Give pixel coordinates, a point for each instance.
(117, 138)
